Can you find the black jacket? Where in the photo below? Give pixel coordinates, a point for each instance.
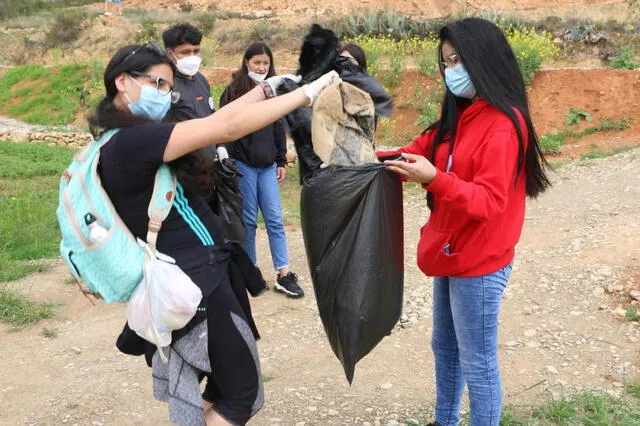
(195, 102)
(195, 98)
(261, 148)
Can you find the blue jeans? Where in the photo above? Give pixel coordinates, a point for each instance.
(465, 346)
(259, 189)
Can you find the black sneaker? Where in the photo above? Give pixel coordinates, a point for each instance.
(289, 285)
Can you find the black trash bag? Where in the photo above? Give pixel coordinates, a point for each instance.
(352, 224)
(227, 200)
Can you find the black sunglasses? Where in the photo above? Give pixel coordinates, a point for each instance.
(149, 44)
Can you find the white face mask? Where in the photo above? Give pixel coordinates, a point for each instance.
(257, 77)
(189, 65)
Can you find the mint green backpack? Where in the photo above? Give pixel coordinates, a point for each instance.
(96, 245)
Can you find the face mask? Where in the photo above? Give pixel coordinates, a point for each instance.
(151, 105)
(459, 82)
(189, 65)
(257, 77)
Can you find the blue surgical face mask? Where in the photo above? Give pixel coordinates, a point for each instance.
(459, 82)
(151, 104)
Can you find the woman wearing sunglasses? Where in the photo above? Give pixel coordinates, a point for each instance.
(478, 163)
(139, 90)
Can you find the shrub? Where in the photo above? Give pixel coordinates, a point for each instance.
(149, 31)
(185, 7)
(263, 31)
(575, 116)
(608, 124)
(427, 105)
(623, 60)
(206, 22)
(427, 65)
(209, 48)
(552, 143)
(387, 57)
(530, 48)
(66, 28)
(384, 23)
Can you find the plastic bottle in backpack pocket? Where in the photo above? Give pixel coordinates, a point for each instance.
(97, 232)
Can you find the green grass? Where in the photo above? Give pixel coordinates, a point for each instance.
(290, 196)
(632, 315)
(587, 408)
(48, 96)
(552, 143)
(19, 312)
(29, 192)
(22, 160)
(606, 153)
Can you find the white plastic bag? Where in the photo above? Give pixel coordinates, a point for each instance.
(165, 300)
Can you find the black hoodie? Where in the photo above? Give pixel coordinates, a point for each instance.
(261, 148)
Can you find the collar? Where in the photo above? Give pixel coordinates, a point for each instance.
(472, 110)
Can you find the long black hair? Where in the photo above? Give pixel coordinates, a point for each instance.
(241, 83)
(193, 170)
(494, 71)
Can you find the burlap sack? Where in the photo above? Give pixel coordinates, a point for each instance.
(342, 126)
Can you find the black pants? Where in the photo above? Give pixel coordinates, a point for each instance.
(235, 386)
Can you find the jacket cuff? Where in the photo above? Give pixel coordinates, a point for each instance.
(281, 163)
(440, 183)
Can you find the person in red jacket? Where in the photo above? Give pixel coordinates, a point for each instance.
(478, 163)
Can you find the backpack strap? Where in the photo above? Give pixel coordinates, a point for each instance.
(164, 191)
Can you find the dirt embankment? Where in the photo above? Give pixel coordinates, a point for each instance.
(426, 8)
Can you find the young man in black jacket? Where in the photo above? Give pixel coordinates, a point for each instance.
(182, 43)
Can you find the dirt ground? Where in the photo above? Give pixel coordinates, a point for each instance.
(561, 328)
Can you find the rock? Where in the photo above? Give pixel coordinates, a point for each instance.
(530, 333)
(551, 369)
(333, 413)
(259, 14)
(619, 312)
(387, 386)
(635, 294)
(604, 271)
(598, 291)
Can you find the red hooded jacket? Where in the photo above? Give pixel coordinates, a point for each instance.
(479, 204)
